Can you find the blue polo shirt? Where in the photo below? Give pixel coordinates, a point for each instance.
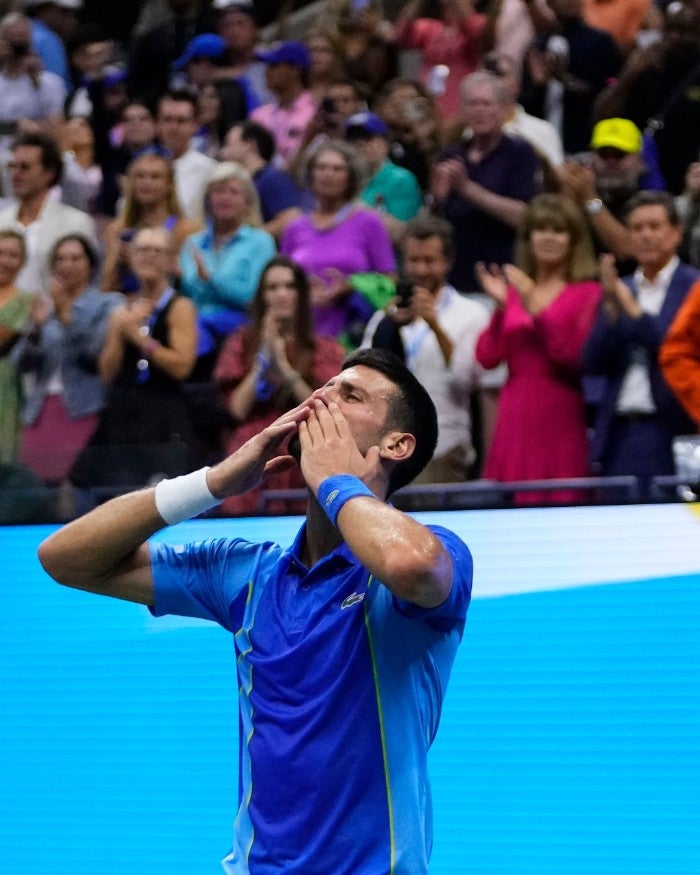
(277, 191)
(340, 691)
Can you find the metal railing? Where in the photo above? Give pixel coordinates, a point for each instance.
(41, 504)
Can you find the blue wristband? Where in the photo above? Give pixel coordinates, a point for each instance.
(336, 490)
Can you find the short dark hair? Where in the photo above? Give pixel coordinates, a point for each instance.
(411, 410)
(180, 95)
(348, 82)
(263, 139)
(425, 227)
(86, 245)
(51, 158)
(85, 35)
(648, 198)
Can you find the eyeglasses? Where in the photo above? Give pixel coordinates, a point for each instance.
(20, 165)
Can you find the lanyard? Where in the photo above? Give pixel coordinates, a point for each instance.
(143, 365)
(415, 339)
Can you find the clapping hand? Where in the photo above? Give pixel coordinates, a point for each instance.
(273, 343)
(423, 305)
(577, 181)
(62, 301)
(327, 289)
(40, 310)
(617, 297)
(521, 282)
(198, 258)
(493, 281)
(128, 321)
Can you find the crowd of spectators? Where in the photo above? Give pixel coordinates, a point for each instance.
(200, 217)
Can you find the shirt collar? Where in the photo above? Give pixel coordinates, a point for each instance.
(662, 278)
(295, 551)
(208, 235)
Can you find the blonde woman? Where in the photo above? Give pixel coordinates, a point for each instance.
(221, 265)
(150, 201)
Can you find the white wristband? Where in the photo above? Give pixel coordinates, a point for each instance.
(184, 497)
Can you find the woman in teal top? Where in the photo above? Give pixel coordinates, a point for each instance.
(15, 307)
(221, 265)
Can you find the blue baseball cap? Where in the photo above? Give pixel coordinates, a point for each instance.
(287, 53)
(367, 123)
(206, 45)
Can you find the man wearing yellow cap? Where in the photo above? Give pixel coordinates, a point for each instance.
(602, 181)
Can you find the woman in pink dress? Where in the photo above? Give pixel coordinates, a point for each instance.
(544, 311)
(270, 366)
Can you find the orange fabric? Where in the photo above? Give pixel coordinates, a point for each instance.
(679, 355)
(622, 19)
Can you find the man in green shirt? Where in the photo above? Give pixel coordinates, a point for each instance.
(391, 190)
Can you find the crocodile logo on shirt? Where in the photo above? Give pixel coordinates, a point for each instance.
(352, 599)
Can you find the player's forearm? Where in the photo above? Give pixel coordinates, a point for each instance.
(397, 550)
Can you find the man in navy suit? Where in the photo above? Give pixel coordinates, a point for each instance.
(639, 416)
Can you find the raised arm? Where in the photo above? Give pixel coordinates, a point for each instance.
(105, 551)
(396, 549)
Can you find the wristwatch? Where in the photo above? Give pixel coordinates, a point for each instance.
(593, 206)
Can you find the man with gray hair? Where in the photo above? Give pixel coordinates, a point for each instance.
(537, 131)
(482, 184)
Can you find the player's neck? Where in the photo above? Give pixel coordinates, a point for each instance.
(322, 537)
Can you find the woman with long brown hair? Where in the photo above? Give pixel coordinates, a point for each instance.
(544, 311)
(270, 366)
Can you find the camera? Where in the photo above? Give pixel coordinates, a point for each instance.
(404, 293)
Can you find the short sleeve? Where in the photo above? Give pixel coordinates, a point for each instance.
(204, 579)
(452, 613)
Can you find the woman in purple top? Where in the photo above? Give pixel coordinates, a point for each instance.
(337, 239)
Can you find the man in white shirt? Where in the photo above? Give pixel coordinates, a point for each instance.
(639, 414)
(436, 329)
(176, 126)
(35, 168)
